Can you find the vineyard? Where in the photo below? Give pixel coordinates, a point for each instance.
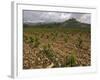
(56, 47)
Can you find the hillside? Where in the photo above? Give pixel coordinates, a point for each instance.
(68, 23)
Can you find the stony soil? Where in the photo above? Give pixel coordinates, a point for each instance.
(63, 44)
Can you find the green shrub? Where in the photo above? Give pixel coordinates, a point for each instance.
(65, 39)
(34, 41)
(31, 39)
(71, 60)
(47, 50)
(79, 42)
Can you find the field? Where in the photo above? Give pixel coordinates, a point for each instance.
(45, 47)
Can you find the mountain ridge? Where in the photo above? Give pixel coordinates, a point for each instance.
(67, 23)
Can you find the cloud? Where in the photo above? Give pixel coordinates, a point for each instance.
(43, 16)
(85, 18)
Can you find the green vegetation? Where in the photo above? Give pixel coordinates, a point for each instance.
(65, 44)
(65, 39)
(79, 42)
(71, 60)
(48, 51)
(34, 41)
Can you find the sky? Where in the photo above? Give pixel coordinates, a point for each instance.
(30, 16)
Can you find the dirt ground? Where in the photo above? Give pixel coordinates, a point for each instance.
(53, 49)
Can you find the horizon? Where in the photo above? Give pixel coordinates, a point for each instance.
(31, 23)
(34, 17)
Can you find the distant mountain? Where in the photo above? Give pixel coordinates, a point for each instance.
(68, 23)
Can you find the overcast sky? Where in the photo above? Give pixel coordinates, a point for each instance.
(43, 16)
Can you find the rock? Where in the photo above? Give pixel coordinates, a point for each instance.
(50, 66)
